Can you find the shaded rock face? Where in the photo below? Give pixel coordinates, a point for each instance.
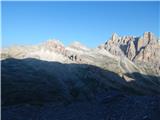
(36, 81)
(31, 80)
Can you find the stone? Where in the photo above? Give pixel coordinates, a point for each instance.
(131, 50)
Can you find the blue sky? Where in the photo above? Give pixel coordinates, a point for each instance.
(90, 23)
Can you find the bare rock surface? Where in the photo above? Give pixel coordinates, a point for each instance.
(51, 81)
(140, 50)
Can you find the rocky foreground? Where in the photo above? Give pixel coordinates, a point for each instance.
(118, 80)
(110, 105)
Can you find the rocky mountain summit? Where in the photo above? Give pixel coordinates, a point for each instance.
(141, 50)
(134, 48)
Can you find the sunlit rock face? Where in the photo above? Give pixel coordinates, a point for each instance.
(131, 50)
(143, 49)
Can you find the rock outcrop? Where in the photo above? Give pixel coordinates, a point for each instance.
(131, 50)
(141, 50)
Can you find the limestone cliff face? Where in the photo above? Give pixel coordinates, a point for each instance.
(141, 50)
(131, 50)
(118, 45)
(131, 46)
(148, 48)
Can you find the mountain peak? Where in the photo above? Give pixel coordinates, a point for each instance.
(140, 49)
(78, 45)
(53, 42)
(115, 36)
(148, 35)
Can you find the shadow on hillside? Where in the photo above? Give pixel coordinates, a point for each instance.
(35, 81)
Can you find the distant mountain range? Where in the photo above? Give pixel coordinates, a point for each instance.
(127, 63)
(142, 52)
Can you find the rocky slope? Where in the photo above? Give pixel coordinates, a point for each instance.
(108, 106)
(48, 77)
(133, 59)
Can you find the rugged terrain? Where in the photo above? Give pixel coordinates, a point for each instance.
(50, 77)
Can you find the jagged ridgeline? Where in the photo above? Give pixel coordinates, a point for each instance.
(52, 72)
